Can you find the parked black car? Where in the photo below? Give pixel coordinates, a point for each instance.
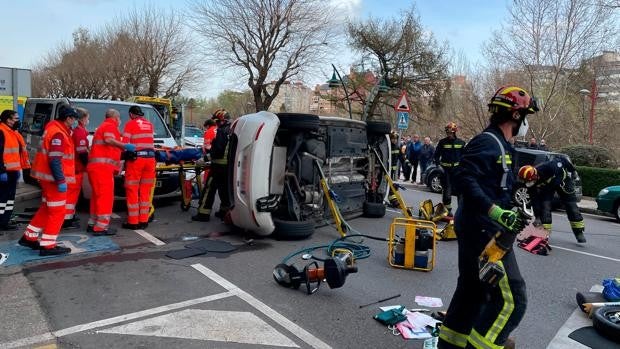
(523, 156)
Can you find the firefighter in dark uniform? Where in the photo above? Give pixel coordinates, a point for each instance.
(543, 181)
(217, 182)
(447, 155)
(479, 315)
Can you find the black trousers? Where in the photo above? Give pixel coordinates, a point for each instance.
(216, 183)
(7, 197)
(414, 168)
(480, 314)
(446, 185)
(544, 199)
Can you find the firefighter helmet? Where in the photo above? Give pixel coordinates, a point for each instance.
(528, 173)
(451, 127)
(220, 115)
(514, 99)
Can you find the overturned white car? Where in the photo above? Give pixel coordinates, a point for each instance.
(275, 184)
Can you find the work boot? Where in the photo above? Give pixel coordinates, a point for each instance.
(56, 250)
(201, 217)
(131, 226)
(70, 224)
(27, 243)
(220, 214)
(90, 228)
(510, 343)
(579, 236)
(152, 217)
(109, 231)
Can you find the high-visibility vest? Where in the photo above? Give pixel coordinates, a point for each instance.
(41, 168)
(10, 157)
(102, 153)
(209, 136)
(24, 158)
(139, 132)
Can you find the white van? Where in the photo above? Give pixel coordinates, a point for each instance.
(39, 111)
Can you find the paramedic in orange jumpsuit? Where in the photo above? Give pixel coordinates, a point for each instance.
(103, 163)
(80, 141)
(54, 168)
(139, 169)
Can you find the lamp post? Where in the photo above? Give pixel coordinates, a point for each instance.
(593, 95)
(334, 82)
(584, 93)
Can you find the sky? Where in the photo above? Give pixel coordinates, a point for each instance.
(31, 28)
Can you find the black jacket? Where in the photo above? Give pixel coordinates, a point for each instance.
(448, 152)
(426, 153)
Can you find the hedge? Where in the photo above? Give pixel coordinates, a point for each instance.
(594, 179)
(589, 155)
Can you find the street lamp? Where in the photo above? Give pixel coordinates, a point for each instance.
(334, 82)
(585, 92)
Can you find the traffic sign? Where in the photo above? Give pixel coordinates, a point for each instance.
(403, 103)
(403, 120)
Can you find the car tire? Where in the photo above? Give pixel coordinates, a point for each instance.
(374, 209)
(434, 182)
(604, 325)
(292, 230)
(378, 127)
(521, 195)
(617, 210)
(301, 122)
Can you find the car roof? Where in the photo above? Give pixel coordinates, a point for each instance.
(107, 101)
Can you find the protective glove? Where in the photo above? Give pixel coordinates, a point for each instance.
(130, 147)
(4, 177)
(62, 187)
(510, 220)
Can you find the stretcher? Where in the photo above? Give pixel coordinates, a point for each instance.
(192, 170)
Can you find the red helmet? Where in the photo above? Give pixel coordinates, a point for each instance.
(528, 173)
(451, 127)
(220, 115)
(514, 99)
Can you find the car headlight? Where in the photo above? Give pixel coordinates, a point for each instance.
(603, 192)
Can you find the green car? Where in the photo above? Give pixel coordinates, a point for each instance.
(608, 200)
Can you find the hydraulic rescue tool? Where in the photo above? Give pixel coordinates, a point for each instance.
(386, 174)
(330, 196)
(491, 271)
(334, 271)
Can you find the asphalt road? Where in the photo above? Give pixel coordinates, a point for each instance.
(139, 298)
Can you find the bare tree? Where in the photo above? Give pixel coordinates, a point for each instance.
(265, 39)
(541, 44)
(403, 52)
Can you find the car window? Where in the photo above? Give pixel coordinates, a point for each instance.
(35, 117)
(193, 132)
(97, 114)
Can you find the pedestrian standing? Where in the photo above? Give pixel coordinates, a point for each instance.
(139, 169)
(533, 144)
(404, 162)
(79, 136)
(217, 182)
(426, 155)
(103, 164)
(413, 154)
(54, 167)
(13, 159)
(447, 155)
(543, 145)
(479, 315)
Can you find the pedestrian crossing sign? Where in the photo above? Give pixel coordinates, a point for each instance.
(403, 120)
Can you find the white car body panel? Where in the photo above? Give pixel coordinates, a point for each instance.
(252, 165)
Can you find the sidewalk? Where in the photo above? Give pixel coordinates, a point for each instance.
(26, 192)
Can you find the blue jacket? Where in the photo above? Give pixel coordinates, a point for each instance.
(478, 179)
(413, 150)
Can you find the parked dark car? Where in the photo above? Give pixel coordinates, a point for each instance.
(523, 156)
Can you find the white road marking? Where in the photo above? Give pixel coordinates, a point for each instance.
(150, 237)
(574, 322)
(113, 320)
(215, 325)
(292, 327)
(586, 253)
(115, 216)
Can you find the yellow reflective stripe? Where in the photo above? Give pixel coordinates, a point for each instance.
(547, 226)
(453, 337)
(502, 104)
(508, 159)
(447, 146)
(480, 342)
(507, 308)
(579, 224)
(458, 146)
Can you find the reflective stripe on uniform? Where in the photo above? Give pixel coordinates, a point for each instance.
(109, 134)
(449, 164)
(132, 181)
(34, 229)
(143, 145)
(480, 342)
(507, 308)
(507, 157)
(578, 224)
(453, 337)
(547, 226)
(138, 135)
(147, 180)
(56, 203)
(103, 161)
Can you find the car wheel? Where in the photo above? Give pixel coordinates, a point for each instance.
(435, 183)
(617, 211)
(303, 122)
(378, 127)
(606, 321)
(521, 196)
(292, 230)
(374, 209)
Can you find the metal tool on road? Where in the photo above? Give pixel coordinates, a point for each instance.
(393, 187)
(380, 301)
